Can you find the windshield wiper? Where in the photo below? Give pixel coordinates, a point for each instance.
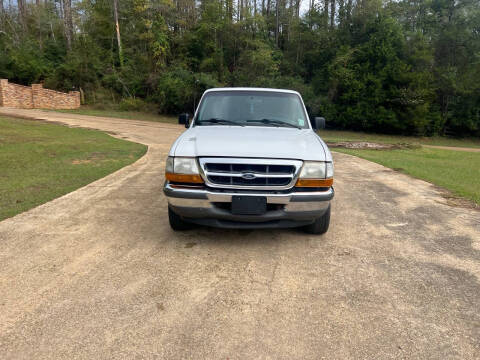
(274, 122)
(219, 121)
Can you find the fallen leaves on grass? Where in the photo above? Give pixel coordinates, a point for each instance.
(370, 145)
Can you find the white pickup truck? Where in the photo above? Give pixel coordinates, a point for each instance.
(250, 158)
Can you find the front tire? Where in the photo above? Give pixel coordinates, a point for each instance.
(320, 226)
(176, 221)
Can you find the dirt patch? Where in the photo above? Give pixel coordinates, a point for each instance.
(79, 162)
(370, 145)
(457, 201)
(93, 157)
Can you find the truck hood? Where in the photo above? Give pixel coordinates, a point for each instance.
(251, 141)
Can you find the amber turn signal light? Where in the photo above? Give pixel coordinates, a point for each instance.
(184, 178)
(314, 182)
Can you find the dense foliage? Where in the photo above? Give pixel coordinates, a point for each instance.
(398, 66)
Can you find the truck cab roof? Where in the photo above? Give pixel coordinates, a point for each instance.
(252, 89)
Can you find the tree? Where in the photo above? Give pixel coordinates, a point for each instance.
(406, 66)
(23, 11)
(2, 14)
(325, 11)
(332, 13)
(277, 21)
(117, 30)
(67, 21)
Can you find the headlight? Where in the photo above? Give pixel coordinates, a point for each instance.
(182, 170)
(316, 174)
(185, 165)
(316, 170)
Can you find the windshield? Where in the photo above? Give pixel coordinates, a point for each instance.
(252, 108)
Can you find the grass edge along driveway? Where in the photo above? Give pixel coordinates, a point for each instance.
(41, 161)
(456, 171)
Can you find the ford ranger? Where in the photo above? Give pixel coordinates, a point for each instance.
(250, 158)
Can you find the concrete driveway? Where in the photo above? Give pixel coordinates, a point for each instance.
(99, 274)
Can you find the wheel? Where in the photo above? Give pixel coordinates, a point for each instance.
(176, 221)
(320, 226)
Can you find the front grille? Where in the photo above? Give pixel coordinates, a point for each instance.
(250, 173)
(234, 180)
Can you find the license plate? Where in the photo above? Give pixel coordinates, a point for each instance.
(249, 205)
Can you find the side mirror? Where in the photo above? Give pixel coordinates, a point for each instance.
(318, 123)
(183, 120)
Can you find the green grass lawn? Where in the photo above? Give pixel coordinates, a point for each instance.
(341, 135)
(456, 171)
(130, 115)
(40, 161)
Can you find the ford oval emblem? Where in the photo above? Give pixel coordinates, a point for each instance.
(248, 176)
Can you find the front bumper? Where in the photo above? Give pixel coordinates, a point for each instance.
(211, 207)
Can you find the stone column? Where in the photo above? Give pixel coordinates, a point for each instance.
(3, 89)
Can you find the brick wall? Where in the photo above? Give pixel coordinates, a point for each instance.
(51, 99)
(18, 96)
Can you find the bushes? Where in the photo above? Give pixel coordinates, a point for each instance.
(180, 90)
(374, 87)
(132, 104)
